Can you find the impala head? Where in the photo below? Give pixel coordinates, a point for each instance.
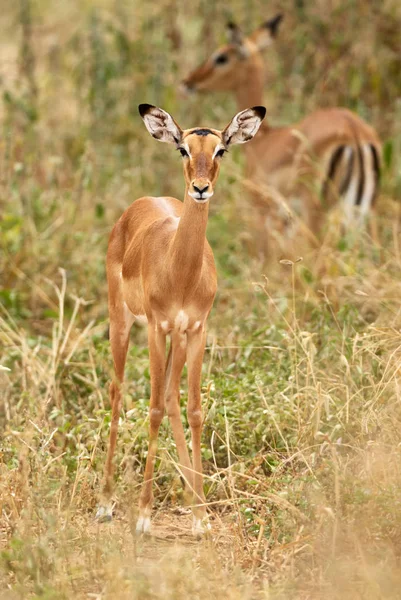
(201, 148)
(228, 67)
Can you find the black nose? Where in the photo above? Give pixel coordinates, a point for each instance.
(186, 88)
(189, 86)
(201, 190)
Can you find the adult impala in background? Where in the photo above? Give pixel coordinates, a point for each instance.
(160, 269)
(330, 154)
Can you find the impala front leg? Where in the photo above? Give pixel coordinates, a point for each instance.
(195, 352)
(175, 365)
(157, 350)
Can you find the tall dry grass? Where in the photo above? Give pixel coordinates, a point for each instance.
(301, 388)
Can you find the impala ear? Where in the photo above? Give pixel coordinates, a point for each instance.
(265, 35)
(244, 126)
(236, 38)
(160, 124)
(234, 34)
(273, 24)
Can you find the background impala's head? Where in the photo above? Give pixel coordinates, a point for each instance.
(201, 148)
(229, 66)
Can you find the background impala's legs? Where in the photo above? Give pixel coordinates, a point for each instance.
(175, 365)
(157, 352)
(373, 227)
(195, 351)
(120, 326)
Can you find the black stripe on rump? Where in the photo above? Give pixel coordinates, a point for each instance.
(334, 162)
(376, 170)
(376, 162)
(376, 166)
(361, 184)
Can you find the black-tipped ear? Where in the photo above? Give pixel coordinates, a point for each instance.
(273, 24)
(244, 126)
(144, 109)
(234, 34)
(160, 124)
(231, 26)
(266, 34)
(260, 111)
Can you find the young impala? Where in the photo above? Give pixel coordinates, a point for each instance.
(160, 269)
(332, 152)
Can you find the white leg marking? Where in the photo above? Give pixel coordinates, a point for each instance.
(143, 522)
(165, 326)
(200, 526)
(143, 525)
(196, 325)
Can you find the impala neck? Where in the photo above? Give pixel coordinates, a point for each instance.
(189, 241)
(250, 93)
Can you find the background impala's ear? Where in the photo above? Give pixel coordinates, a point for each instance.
(244, 126)
(160, 124)
(234, 34)
(265, 35)
(236, 38)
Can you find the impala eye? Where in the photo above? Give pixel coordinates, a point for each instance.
(220, 152)
(183, 152)
(221, 59)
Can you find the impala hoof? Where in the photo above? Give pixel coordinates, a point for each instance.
(104, 514)
(200, 527)
(143, 525)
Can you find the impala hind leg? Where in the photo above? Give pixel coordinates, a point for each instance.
(157, 351)
(195, 352)
(175, 365)
(120, 327)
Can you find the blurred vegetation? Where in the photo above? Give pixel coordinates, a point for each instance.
(301, 383)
